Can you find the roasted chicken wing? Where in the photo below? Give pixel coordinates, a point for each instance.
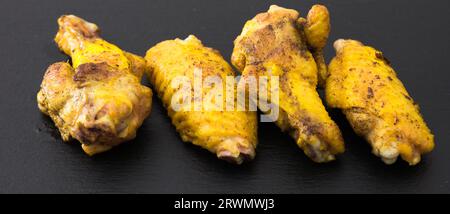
(375, 102)
(279, 43)
(98, 100)
(231, 134)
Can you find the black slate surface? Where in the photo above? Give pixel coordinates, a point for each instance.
(414, 35)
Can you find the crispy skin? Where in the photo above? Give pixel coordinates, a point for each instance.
(376, 103)
(99, 100)
(229, 134)
(274, 44)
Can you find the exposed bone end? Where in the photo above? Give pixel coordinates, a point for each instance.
(103, 125)
(293, 14)
(95, 148)
(72, 30)
(78, 25)
(236, 150)
(388, 154)
(239, 159)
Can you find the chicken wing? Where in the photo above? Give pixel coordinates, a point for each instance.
(279, 43)
(231, 134)
(375, 102)
(98, 100)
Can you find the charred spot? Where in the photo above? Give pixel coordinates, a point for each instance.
(389, 78)
(92, 72)
(379, 55)
(377, 77)
(369, 93)
(396, 120)
(352, 69)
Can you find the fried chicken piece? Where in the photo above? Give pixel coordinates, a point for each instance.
(278, 43)
(99, 99)
(375, 102)
(229, 134)
(316, 28)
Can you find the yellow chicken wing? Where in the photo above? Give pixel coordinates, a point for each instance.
(279, 43)
(362, 83)
(230, 134)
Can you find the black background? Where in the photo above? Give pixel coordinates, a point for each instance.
(414, 35)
